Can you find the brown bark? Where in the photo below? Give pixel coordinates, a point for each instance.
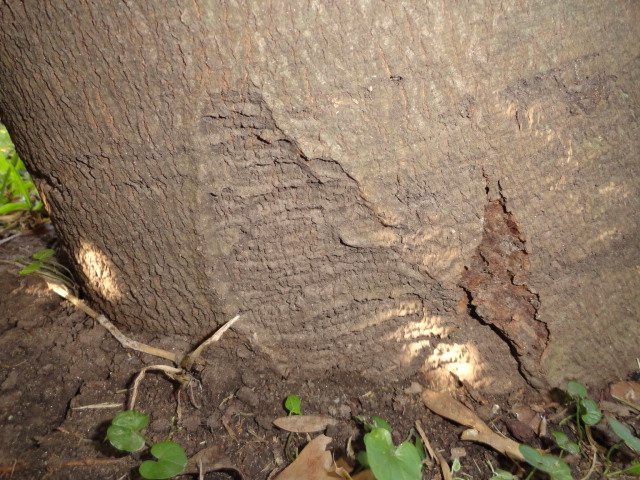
(379, 188)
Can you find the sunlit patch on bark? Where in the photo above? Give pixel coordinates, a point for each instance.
(99, 271)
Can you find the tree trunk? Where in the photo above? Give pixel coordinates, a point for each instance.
(377, 187)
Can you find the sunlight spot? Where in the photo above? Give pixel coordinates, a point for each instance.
(462, 360)
(99, 271)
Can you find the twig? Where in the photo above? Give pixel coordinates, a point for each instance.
(444, 466)
(189, 359)
(111, 328)
(172, 372)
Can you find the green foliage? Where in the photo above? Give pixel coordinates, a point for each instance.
(389, 462)
(586, 409)
(625, 434)
(124, 434)
(293, 405)
(565, 444)
(553, 466)
(501, 474)
(42, 264)
(171, 461)
(17, 191)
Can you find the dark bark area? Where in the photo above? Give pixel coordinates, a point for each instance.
(441, 187)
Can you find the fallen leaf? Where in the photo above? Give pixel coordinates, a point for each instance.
(448, 407)
(211, 459)
(304, 423)
(364, 475)
(313, 463)
(629, 391)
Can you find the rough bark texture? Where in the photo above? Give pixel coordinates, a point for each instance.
(376, 187)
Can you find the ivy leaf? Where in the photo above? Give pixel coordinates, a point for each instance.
(171, 461)
(380, 423)
(389, 462)
(576, 389)
(555, 467)
(292, 404)
(123, 434)
(625, 434)
(565, 444)
(589, 411)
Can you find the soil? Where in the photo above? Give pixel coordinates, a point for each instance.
(63, 377)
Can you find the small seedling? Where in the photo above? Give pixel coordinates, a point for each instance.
(456, 467)
(292, 405)
(498, 474)
(124, 434)
(565, 444)
(553, 466)
(41, 263)
(387, 461)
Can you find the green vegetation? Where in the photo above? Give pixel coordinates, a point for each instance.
(387, 461)
(586, 414)
(41, 263)
(124, 434)
(18, 194)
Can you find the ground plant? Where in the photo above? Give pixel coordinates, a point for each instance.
(18, 194)
(124, 434)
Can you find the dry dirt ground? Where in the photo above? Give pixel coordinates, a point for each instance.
(63, 377)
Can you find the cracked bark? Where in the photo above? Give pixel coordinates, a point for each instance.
(316, 168)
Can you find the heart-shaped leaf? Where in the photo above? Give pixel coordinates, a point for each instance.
(565, 444)
(555, 467)
(389, 462)
(589, 411)
(292, 404)
(576, 389)
(625, 434)
(171, 461)
(123, 434)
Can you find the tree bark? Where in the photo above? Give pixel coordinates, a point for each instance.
(380, 188)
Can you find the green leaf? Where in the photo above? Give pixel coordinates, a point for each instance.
(363, 459)
(555, 467)
(378, 422)
(589, 411)
(13, 207)
(420, 448)
(576, 389)
(625, 434)
(389, 462)
(31, 268)
(503, 475)
(634, 469)
(292, 404)
(123, 434)
(565, 444)
(171, 461)
(43, 254)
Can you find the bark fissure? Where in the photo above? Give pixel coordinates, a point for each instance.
(496, 287)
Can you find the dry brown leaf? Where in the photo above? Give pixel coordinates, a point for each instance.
(448, 407)
(629, 391)
(313, 463)
(364, 475)
(210, 459)
(495, 441)
(304, 423)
